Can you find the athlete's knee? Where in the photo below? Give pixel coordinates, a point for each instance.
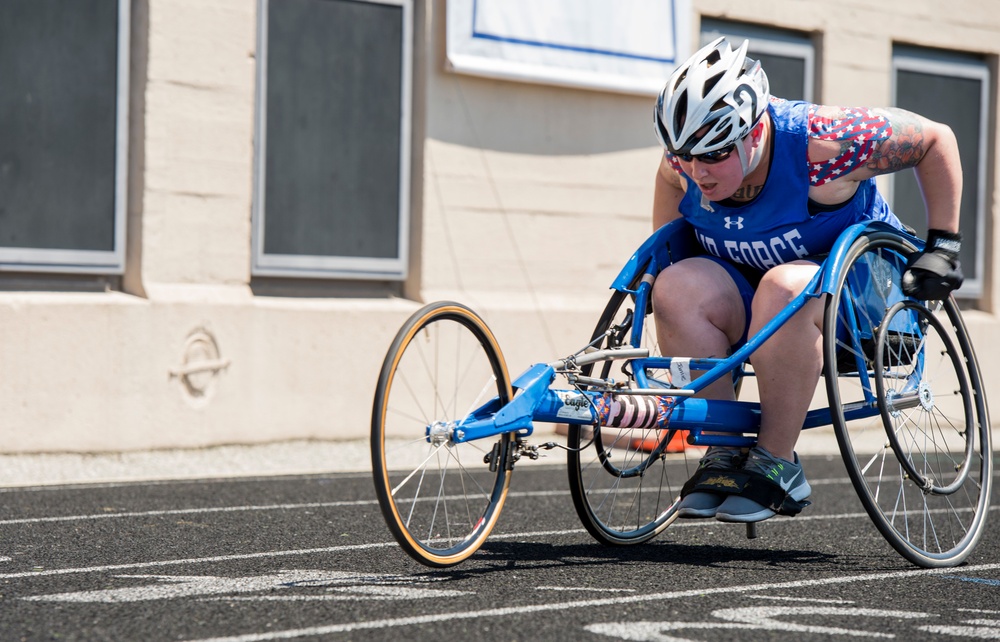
(775, 293)
(685, 286)
(780, 285)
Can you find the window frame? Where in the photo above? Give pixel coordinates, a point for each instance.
(767, 40)
(951, 65)
(320, 266)
(96, 262)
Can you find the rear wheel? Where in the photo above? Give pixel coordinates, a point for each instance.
(625, 481)
(440, 498)
(908, 408)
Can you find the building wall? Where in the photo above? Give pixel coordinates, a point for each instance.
(530, 198)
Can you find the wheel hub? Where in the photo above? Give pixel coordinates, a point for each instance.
(439, 432)
(890, 397)
(926, 396)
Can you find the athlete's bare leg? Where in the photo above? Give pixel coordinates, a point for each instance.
(789, 364)
(699, 313)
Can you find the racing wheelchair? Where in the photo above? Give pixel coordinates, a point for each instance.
(903, 390)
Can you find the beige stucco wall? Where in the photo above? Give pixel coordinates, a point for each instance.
(531, 198)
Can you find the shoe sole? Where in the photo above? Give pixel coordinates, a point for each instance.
(765, 513)
(694, 513)
(759, 516)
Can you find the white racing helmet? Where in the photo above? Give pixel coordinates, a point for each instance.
(717, 88)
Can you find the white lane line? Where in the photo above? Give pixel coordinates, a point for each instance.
(339, 549)
(827, 482)
(360, 502)
(631, 599)
(700, 523)
(249, 556)
(229, 509)
(779, 598)
(282, 477)
(85, 485)
(182, 511)
(301, 506)
(195, 560)
(583, 589)
(526, 536)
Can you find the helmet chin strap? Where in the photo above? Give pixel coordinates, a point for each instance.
(749, 164)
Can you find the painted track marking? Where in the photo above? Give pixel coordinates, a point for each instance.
(632, 599)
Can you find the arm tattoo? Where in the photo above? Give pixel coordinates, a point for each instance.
(904, 148)
(858, 130)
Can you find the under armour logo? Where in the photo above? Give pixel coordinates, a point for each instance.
(738, 222)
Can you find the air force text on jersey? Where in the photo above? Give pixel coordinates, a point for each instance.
(762, 255)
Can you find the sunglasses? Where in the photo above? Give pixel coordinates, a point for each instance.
(711, 158)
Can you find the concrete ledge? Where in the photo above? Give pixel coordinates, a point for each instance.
(286, 458)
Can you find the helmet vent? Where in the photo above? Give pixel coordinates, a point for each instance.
(712, 100)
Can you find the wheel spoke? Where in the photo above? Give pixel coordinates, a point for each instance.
(439, 498)
(921, 465)
(618, 485)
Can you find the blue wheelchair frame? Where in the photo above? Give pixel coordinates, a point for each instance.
(535, 401)
(920, 461)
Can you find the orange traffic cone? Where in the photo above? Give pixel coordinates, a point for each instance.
(677, 444)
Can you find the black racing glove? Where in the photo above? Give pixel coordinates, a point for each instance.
(931, 275)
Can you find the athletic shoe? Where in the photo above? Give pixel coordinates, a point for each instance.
(703, 504)
(787, 474)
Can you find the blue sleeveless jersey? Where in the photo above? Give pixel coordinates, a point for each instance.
(777, 227)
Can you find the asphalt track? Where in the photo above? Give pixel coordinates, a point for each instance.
(308, 557)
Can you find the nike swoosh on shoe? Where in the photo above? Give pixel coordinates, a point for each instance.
(785, 486)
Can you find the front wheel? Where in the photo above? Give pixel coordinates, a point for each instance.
(908, 407)
(440, 498)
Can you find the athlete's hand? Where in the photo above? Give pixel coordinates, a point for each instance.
(931, 275)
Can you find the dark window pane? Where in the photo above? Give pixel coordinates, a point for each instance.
(58, 93)
(955, 101)
(332, 177)
(786, 75)
(782, 53)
